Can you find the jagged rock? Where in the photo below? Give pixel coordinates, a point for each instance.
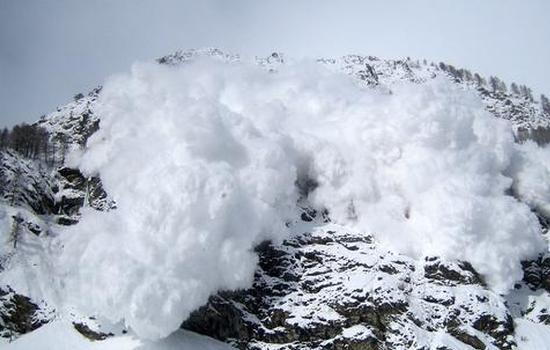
(18, 314)
(76, 191)
(310, 289)
(70, 126)
(468, 339)
(89, 333)
(537, 272)
(26, 184)
(450, 274)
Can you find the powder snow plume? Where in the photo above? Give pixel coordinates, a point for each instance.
(202, 159)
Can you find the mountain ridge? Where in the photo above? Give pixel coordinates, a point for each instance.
(260, 327)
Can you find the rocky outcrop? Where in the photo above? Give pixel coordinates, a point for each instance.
(531, 298)
(76, 191)
(71, 125)
(537, 273)
(89, 333)
(334, 289)
(19, 314)
(24, 183)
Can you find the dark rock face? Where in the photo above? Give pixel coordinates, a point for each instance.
(445, 273)
(332, 289)
(24, 183)
(89, 333)
(532, 274)
(78, 191)
(468, 339)
(18, 314)
(530, 298)
(536, 273)
(59, 194)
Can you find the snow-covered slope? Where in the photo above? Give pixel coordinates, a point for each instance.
(432, 205)
(527, 116)
(60, 335)
(72, 124)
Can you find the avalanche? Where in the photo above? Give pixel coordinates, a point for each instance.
(203, 159)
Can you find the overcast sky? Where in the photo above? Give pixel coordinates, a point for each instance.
(52, 49)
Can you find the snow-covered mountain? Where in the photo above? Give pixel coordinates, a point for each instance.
(302, 210)
(527, 116)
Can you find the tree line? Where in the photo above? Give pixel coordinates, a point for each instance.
(495, 85)
(32, 142)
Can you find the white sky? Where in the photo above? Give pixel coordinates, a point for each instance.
(52, 49)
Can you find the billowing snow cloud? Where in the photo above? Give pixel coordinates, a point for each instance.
(202, 159)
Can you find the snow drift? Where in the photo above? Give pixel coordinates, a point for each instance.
(202, 159)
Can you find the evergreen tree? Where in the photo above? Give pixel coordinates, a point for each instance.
(515, 89)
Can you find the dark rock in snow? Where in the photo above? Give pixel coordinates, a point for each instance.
(18, 314)
(312, 292)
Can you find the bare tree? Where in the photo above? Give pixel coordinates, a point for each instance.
(545, 104)
(497, 85)
(30, 141)
(61, 140)
(515, 89)
(479, 80)
(526, 92)
(4, 138)
(468, 76)
(16, 230)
